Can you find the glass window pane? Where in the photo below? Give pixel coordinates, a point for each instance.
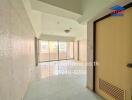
(62, 50)
(69, 50)
(48, 50)
(53, 45)
(43, 51)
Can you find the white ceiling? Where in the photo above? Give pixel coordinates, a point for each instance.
(54, 25)
(55, 10)
(71, 5)
(52, 20)
(50, 17)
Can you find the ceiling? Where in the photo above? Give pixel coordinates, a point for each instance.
(52, 17)
(54, 25)
(79, 10)
(51, 20)
(71, 5)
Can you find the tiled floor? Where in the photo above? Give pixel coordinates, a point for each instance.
(62, 80)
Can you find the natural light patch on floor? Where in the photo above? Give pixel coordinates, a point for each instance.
(60, 80)
(65, 67)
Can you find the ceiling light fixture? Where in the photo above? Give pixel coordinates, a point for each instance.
(68, 30)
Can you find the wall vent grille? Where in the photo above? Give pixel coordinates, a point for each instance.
(111, 90)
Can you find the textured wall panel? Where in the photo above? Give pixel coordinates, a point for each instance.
(16, 50)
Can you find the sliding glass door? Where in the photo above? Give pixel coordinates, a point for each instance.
(44, 51)
(70, 50)
(62, 50)
(55, 50)
(53, 46)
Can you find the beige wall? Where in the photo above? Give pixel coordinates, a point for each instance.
(16, 50)
(90, 54)
(83, 50)
(75, 50)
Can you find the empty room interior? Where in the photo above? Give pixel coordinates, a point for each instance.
(65, 50)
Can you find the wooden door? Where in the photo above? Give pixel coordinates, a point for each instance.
(113, 53)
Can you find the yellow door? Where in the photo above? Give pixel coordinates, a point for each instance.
(113, 53)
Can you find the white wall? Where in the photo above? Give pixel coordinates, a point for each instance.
(16, 50)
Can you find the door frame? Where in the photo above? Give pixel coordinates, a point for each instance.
(94, 43)
(78, 50)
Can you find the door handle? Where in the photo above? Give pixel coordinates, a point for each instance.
(129, 65)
